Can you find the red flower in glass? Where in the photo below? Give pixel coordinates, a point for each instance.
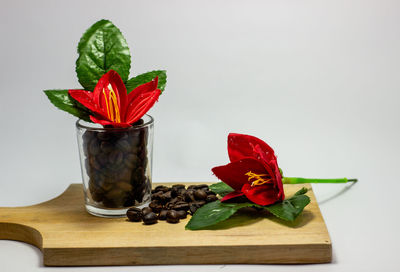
(252, 172)
(111, 104)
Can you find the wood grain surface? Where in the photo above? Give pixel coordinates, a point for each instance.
(69, 236)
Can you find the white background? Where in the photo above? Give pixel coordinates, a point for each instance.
(318, 80)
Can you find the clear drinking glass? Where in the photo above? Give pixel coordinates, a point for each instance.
(116, 166)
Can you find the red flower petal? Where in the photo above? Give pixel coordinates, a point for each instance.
(241, 146)
(120, 89)
(234, 173)
(146, 87)
(141, 105)
(106, 122)
(86, 99)
(263, 195)
(232, 195)
(101, 85)
(273, 169)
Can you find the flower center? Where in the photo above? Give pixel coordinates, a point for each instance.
(257, 179)
(112, 105)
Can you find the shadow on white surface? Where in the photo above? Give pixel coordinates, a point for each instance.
(337, 194)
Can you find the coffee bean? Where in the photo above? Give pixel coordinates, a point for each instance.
(156, 195)
(125, 174)
(163, 215)
(94, 147)
(178, 186)
(131, 160)
(200, 194)
(201, 186)
(115, 194)
(165, 197)
(211, 198)
(134, 214)
(123, 145)
(162, 188)
(138, 123)
(201, 203)
(189, 196)
(193, 207)
(180, 205)
(172, 217)
(182, 214)
(115, 157)
(150, 218)
(94, 163)
(104, 135)
(146, 210)
(126, 187)
(106, 147)
(155, 206)
(102, 159)
(106, 186)
(210, 193)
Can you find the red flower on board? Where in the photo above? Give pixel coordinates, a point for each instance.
(111, 104)
(253, 171)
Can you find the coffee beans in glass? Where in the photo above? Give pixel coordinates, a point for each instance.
(116, 166)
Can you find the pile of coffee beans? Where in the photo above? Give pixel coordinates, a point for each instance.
(172, 203)
(116, 163)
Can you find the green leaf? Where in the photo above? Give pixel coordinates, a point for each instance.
(102, 48)
(302, 191)
(290, 209)
(212, 213)
(221, 188)
(62, 100)
(147, 77)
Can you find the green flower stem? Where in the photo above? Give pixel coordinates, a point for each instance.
(287, 180)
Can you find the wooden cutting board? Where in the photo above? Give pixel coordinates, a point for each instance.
(69, 236)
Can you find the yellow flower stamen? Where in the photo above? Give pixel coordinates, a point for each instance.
(112, 105)
(108, 109)
(258, 180)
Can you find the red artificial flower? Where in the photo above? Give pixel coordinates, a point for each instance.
(253, 171)
(111, 104)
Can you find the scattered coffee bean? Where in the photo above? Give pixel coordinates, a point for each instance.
(134, 214)
(182, 214)
(211, 198)
(163, 215)
(200, 194)
(181, 205)
(172, 217)
(150, 218)
(146, 210)
(174, 203)
(155, 206)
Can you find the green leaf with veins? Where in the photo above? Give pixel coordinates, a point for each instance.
(212, 213)
(147, 77)
(221, 188)
(62, 100)
(291, 208)
(215, 212)
(102, 48)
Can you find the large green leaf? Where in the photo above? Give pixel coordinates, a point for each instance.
(221, 188)
(290, 209)
(147, 77)
(102, 48)
(212, 213)
(215, 212)
(62, 100)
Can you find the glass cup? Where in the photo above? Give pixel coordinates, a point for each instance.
(116, 166)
